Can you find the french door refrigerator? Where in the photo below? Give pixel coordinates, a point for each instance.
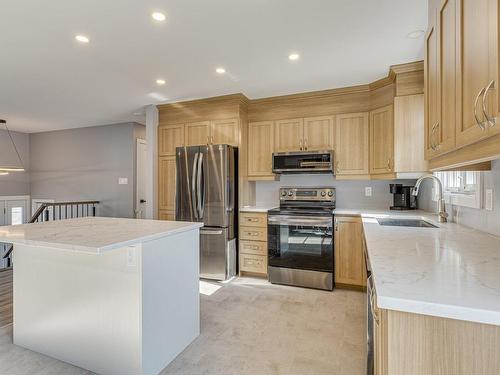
(206, 191)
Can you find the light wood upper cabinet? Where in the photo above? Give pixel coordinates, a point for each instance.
(352, 151)
(225, 132)
(382, 140)
(260, 148)
(409, 134)
(197, 133)
(288, 135)
(473, 67)
(166, 183)
(170, 137)
(444, 133)
(350, 266)
(318, 133)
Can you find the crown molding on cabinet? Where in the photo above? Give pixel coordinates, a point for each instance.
(402, 79)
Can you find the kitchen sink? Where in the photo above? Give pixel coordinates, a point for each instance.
(417, 223)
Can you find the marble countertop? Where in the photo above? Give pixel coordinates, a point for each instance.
(451, 271)
(92, 234)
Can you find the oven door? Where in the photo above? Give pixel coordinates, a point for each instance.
(301, 242)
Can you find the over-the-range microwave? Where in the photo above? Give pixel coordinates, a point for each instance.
(303, 162)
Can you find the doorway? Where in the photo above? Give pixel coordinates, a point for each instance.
(140, 189)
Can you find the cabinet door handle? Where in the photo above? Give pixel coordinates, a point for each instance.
(489, 119)
(300, 144)
(305, 144)
(212, 140)
(389, 164)
(337, 167)
(435, 146)
(478, 120)
(208, 140)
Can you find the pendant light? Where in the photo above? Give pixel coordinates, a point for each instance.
(7, 168)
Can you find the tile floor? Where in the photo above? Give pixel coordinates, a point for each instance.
(249, 326)
(252, 327)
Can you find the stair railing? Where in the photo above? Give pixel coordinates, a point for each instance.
(59, 211)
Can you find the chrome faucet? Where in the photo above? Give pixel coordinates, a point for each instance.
(440, 203)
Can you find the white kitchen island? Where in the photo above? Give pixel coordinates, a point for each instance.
(114, 296)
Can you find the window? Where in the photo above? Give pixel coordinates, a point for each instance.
(16, 216)
(462, 188)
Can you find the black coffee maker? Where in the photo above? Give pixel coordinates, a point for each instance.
(403, 198)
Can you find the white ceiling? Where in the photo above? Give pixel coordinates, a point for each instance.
(49, 81)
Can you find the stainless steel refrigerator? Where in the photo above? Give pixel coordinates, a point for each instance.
(206, 191)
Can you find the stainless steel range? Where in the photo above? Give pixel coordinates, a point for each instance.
(300, 238)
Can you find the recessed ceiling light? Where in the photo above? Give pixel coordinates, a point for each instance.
(160, 82)
(158, 16)
(416, 34)
(4, 173)
(82, 38)
(293, 56)
(220, 70)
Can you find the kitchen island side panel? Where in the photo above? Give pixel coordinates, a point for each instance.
(80, 308)
(170, 298)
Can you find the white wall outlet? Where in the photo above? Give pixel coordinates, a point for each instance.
(368, 191)
(122, 181)
(488, 200)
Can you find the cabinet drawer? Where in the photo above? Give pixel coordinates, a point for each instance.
(251, 219)
(253, 247)
(253, 233)
(253, 263)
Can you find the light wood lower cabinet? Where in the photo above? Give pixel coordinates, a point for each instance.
(253, 233)
(350, 269)
(352, 151)
(415, 344)
(253, 243)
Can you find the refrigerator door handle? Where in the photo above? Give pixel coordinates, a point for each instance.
(201, 203)
(193, 186)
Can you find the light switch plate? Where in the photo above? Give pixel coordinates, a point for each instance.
(368, 191)
(488, 200)
(122, 181)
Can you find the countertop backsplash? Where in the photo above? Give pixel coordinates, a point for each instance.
(350, 194)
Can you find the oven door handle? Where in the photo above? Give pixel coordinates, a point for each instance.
(326, 222)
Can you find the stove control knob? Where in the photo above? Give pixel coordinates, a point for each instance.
(330, 193)
(290, 193)
(323, 193)
(283, 193)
